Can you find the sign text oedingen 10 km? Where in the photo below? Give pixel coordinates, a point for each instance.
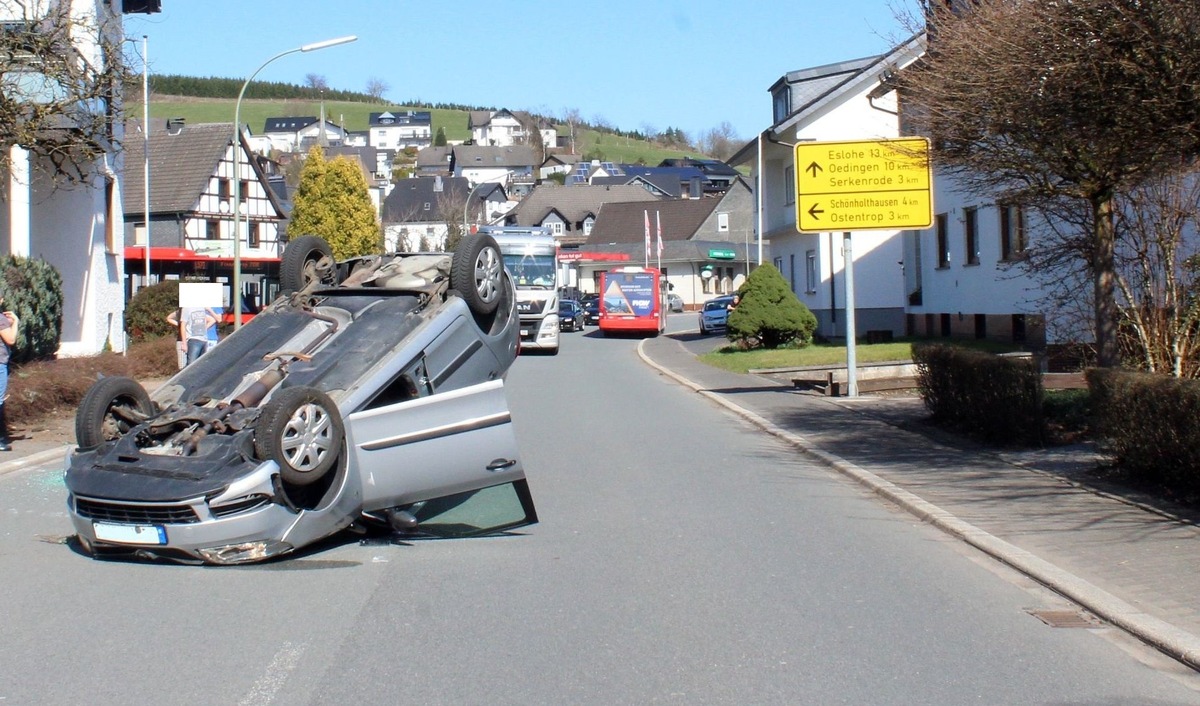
(865, 185)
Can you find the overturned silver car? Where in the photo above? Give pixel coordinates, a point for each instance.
(370, 393)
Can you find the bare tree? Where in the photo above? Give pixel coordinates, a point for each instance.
(377, 87)
(720, 142)
(316, 82)
(1158, 273)
(1077, 99)
(57, 103)
(572, 118)
(531, 125)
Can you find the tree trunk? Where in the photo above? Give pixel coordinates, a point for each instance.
(1108, 354)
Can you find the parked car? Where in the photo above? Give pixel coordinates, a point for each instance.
(591, 312)
(570, 315)
(714, 314)
(370, 393)
(674, 302)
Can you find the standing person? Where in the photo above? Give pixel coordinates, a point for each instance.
(8, 337)
(193, 323)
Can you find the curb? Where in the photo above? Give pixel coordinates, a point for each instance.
(1162, 636)
(34, 459)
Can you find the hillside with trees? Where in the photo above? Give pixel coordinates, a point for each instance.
(207, 100)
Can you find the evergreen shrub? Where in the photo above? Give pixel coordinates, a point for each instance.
(32, 290)
(146, 313)
(769, 314)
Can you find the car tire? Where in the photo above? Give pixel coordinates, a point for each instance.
(477, 272)
(306, 259)
(109, 409)
(300, 429)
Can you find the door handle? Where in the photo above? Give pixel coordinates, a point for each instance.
(501, 463)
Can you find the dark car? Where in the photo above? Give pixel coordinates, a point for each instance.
(570, 315)
(371, 393)
(591, 312)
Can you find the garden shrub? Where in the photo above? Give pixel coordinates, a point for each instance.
(146, 313)
(769, 314)
(994, 398)
(1151, 424)
(33, 291)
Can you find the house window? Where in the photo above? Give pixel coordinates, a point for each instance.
(789, 185)
(556, 228)
(722, 222)
(1012, 232)
(587, 226)
(971, 233)
(781, 103)
(426, 205)
(943, 241)
(223, 189)
(255, 235)
(810, 271)
(212, 230)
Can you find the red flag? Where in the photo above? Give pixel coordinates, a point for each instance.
(647, 215)
(658, 219)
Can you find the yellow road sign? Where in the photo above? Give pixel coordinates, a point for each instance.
(863, 185)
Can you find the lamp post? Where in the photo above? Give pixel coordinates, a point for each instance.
(237, 182)
(146, 145)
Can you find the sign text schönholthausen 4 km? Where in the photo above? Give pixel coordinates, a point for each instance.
(864, 185)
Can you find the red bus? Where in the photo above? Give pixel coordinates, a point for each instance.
(633, 300)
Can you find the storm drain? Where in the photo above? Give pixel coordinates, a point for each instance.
(1065, 618)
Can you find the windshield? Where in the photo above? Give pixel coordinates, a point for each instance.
(531, 271)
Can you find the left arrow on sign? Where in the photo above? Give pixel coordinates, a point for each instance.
(814, 211)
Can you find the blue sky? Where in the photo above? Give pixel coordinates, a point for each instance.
(636, 64)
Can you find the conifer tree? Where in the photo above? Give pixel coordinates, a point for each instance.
(332, 201)
(769, 314)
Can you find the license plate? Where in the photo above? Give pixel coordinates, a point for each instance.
(130, 534)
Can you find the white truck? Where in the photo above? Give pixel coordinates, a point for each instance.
(531, 257)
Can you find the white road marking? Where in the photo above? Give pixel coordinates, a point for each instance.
(273, 679)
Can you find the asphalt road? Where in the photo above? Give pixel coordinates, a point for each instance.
(682, 557)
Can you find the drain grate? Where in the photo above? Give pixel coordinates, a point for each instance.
(1065, 618)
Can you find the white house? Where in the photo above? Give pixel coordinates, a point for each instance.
(297, 134)
(504, 128)
(397, 129)
(75, 227)
(963, 275)
(835, 102)
(511, 166)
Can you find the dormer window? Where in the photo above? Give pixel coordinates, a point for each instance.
(781, 103)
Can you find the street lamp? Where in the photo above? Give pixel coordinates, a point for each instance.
(237, 182)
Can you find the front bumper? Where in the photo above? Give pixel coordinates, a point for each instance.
(540, 333)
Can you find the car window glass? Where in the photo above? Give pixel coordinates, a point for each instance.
(476, 512)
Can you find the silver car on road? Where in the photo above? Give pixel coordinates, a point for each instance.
(370, 394)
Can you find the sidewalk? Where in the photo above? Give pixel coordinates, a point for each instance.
(1132, 565)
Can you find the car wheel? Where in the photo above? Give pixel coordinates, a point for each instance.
(307, 259)
(301, 430)
(109, 409)
(476, 272)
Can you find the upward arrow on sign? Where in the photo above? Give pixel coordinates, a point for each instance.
(814, 168)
